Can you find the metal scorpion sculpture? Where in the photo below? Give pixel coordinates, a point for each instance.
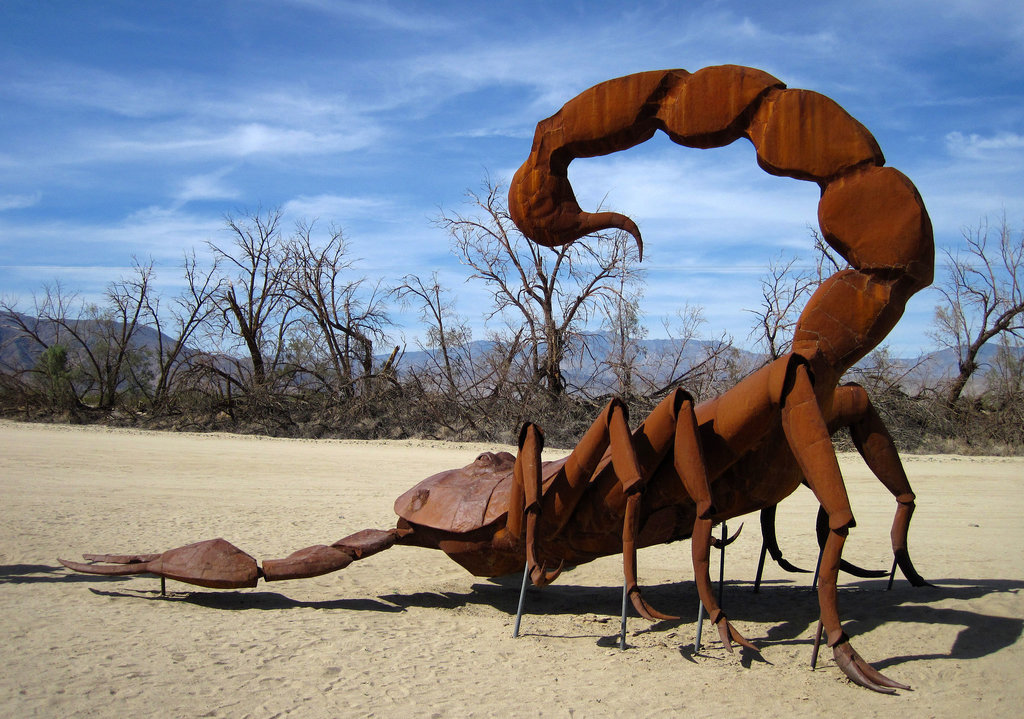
(685, 467)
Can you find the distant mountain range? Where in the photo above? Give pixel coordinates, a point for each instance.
(19, 352)
(655, 357)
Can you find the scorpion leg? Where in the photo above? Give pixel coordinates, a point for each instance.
(876, 446)
(608, 434)
(632, 480)
(525, 500)
(688, 460)
(700, 547)
(808, 437)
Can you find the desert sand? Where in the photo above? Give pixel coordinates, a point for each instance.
(410, 633)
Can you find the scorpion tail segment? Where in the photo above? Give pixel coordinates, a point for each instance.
(323, 559)
(213, 563)
(729, 634)
(862, 673)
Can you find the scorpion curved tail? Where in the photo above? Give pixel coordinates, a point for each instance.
(218, 564)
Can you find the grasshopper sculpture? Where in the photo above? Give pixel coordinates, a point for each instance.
(685, 467)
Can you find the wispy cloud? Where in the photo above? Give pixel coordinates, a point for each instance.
(337, 208)
(980, 147)
(17, 202)
(241, 141)
(383, 14)
(61, 85)
(371, 115)
(208, 186)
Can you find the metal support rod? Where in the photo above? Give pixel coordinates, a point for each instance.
(817, 643)
(817, 568)
(700, 626)
(622, 627)
(760, 566)
(721, 565)
(163, 587)
(892, 574)
(522, 596)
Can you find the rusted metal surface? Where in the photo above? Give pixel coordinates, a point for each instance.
(685, 467)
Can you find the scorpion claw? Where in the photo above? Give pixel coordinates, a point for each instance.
(541, 577)
(862, 673)
(790, 567)
(644, 609)
(120, 558)
(213, 563)
(720, 543)
(902, 557)
(856, 571)
(728, 634)
(115, 568)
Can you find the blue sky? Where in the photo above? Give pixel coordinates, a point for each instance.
(130, 129)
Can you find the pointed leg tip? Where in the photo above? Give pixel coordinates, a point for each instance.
(541, 577)
(861, 672)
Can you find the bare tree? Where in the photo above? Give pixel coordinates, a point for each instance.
(446, 391)
(99, 350)
(447, 332)
(551, 292)
(622, 320)
(253, 303)
(983, 295)
(783, 291)
(177, 327)
(625, 332)
(1005, 377)
(703, 368)
(348, 316)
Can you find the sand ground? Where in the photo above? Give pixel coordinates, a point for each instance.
(410, 633)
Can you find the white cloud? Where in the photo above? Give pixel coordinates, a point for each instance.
(209, 186)
(380, 13)
(977, 146)
(701, 205)
(240, 141)
(17, 202)
(66, 85)
(337, 208)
